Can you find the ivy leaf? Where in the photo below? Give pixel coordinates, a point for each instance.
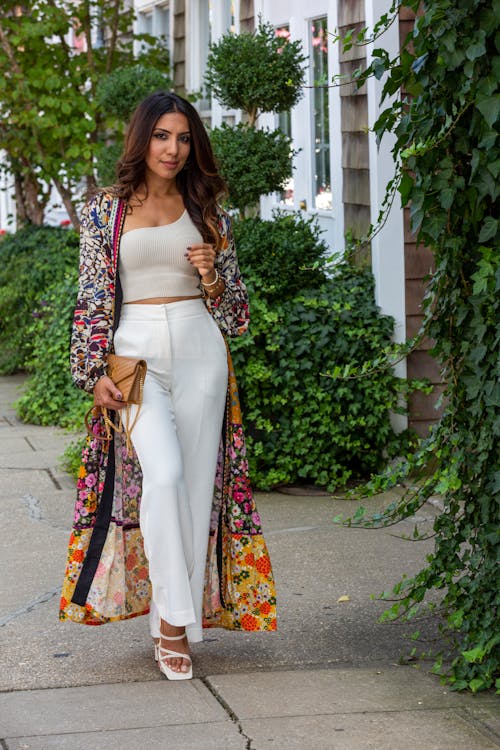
(446, 197)
(405, 187)
(489, 229)
(489, 108)
(476, 49)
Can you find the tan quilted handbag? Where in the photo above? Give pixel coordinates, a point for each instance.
(128, 375)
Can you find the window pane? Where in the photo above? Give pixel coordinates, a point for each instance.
(285, 125)
(205, 31)
(321, 126)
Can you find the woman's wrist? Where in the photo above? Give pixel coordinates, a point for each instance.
(212, 284)
(210, 278)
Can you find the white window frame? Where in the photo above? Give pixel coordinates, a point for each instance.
(152, 12)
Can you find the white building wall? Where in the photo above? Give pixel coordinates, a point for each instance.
(388, 245)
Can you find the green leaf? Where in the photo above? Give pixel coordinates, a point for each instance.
(488, 229)
(476, 49)
(477, 684)
(489, 108)
(405, 187)
(446, 197)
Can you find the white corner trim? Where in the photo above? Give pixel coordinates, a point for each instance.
(388, 245)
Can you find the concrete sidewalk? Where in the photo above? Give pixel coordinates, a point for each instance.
(331, 677)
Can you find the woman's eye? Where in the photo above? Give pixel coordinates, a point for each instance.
(161, 136)
(185, 139)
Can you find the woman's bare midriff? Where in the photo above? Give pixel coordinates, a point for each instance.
(161, 300)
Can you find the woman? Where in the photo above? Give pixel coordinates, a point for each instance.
(159, 280)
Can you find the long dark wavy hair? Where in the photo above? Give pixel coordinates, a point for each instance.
(199, 182)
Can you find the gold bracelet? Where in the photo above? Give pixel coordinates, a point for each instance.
(212, 283)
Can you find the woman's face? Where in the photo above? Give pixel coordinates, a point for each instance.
(169, 146)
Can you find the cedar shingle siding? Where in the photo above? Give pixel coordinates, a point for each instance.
(354, 124)
(247, 22)
(179, 46)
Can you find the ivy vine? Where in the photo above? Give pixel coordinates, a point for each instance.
(448, 163)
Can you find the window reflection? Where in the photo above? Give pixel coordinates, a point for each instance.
(321, 124)
(285, 125)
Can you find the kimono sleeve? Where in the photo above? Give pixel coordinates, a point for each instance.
(231, 309)
(92, 321)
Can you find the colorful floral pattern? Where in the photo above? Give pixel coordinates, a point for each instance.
(240, 595)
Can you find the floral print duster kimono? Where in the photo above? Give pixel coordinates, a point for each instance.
(106, 576)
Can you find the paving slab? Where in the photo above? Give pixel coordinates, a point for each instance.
(219, 736)
(106, 708)
(334, 691)
(31, 554)
(394, 730)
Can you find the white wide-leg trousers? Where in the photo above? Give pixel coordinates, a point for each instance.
(176, 438)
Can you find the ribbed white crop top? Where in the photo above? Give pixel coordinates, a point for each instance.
(152, 261)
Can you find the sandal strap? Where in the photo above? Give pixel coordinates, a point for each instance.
(170, 654)
(173, 637)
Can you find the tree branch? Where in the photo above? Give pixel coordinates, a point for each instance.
(114, 35)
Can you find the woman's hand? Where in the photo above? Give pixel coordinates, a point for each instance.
(202, 257)
(107, 394)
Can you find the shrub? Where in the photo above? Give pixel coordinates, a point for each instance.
(278, 255)
(71, 459)
(256, 72)
(30, 261)
(50, 396)
(120, 92)
(301, 425)
(269, 167)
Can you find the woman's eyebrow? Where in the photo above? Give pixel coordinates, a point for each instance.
(164, 130)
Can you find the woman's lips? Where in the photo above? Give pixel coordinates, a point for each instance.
(170, 164)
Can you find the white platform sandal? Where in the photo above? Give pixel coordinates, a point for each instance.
(164, 653)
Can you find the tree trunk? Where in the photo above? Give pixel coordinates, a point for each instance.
(30, 200)
(68, 202)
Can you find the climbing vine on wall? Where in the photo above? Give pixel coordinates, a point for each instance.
(448, 162)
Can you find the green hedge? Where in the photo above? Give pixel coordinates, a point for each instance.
(301, 425)
(50, 396)
(31, 260)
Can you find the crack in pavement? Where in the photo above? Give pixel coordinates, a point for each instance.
(42, 599)
(53, 479)
(35, 512)
(229, 711)
(27, 440)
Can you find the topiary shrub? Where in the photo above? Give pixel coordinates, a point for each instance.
(256, 72)
(50, 397)
(269, 167)
(301, 425)
(30, 261)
